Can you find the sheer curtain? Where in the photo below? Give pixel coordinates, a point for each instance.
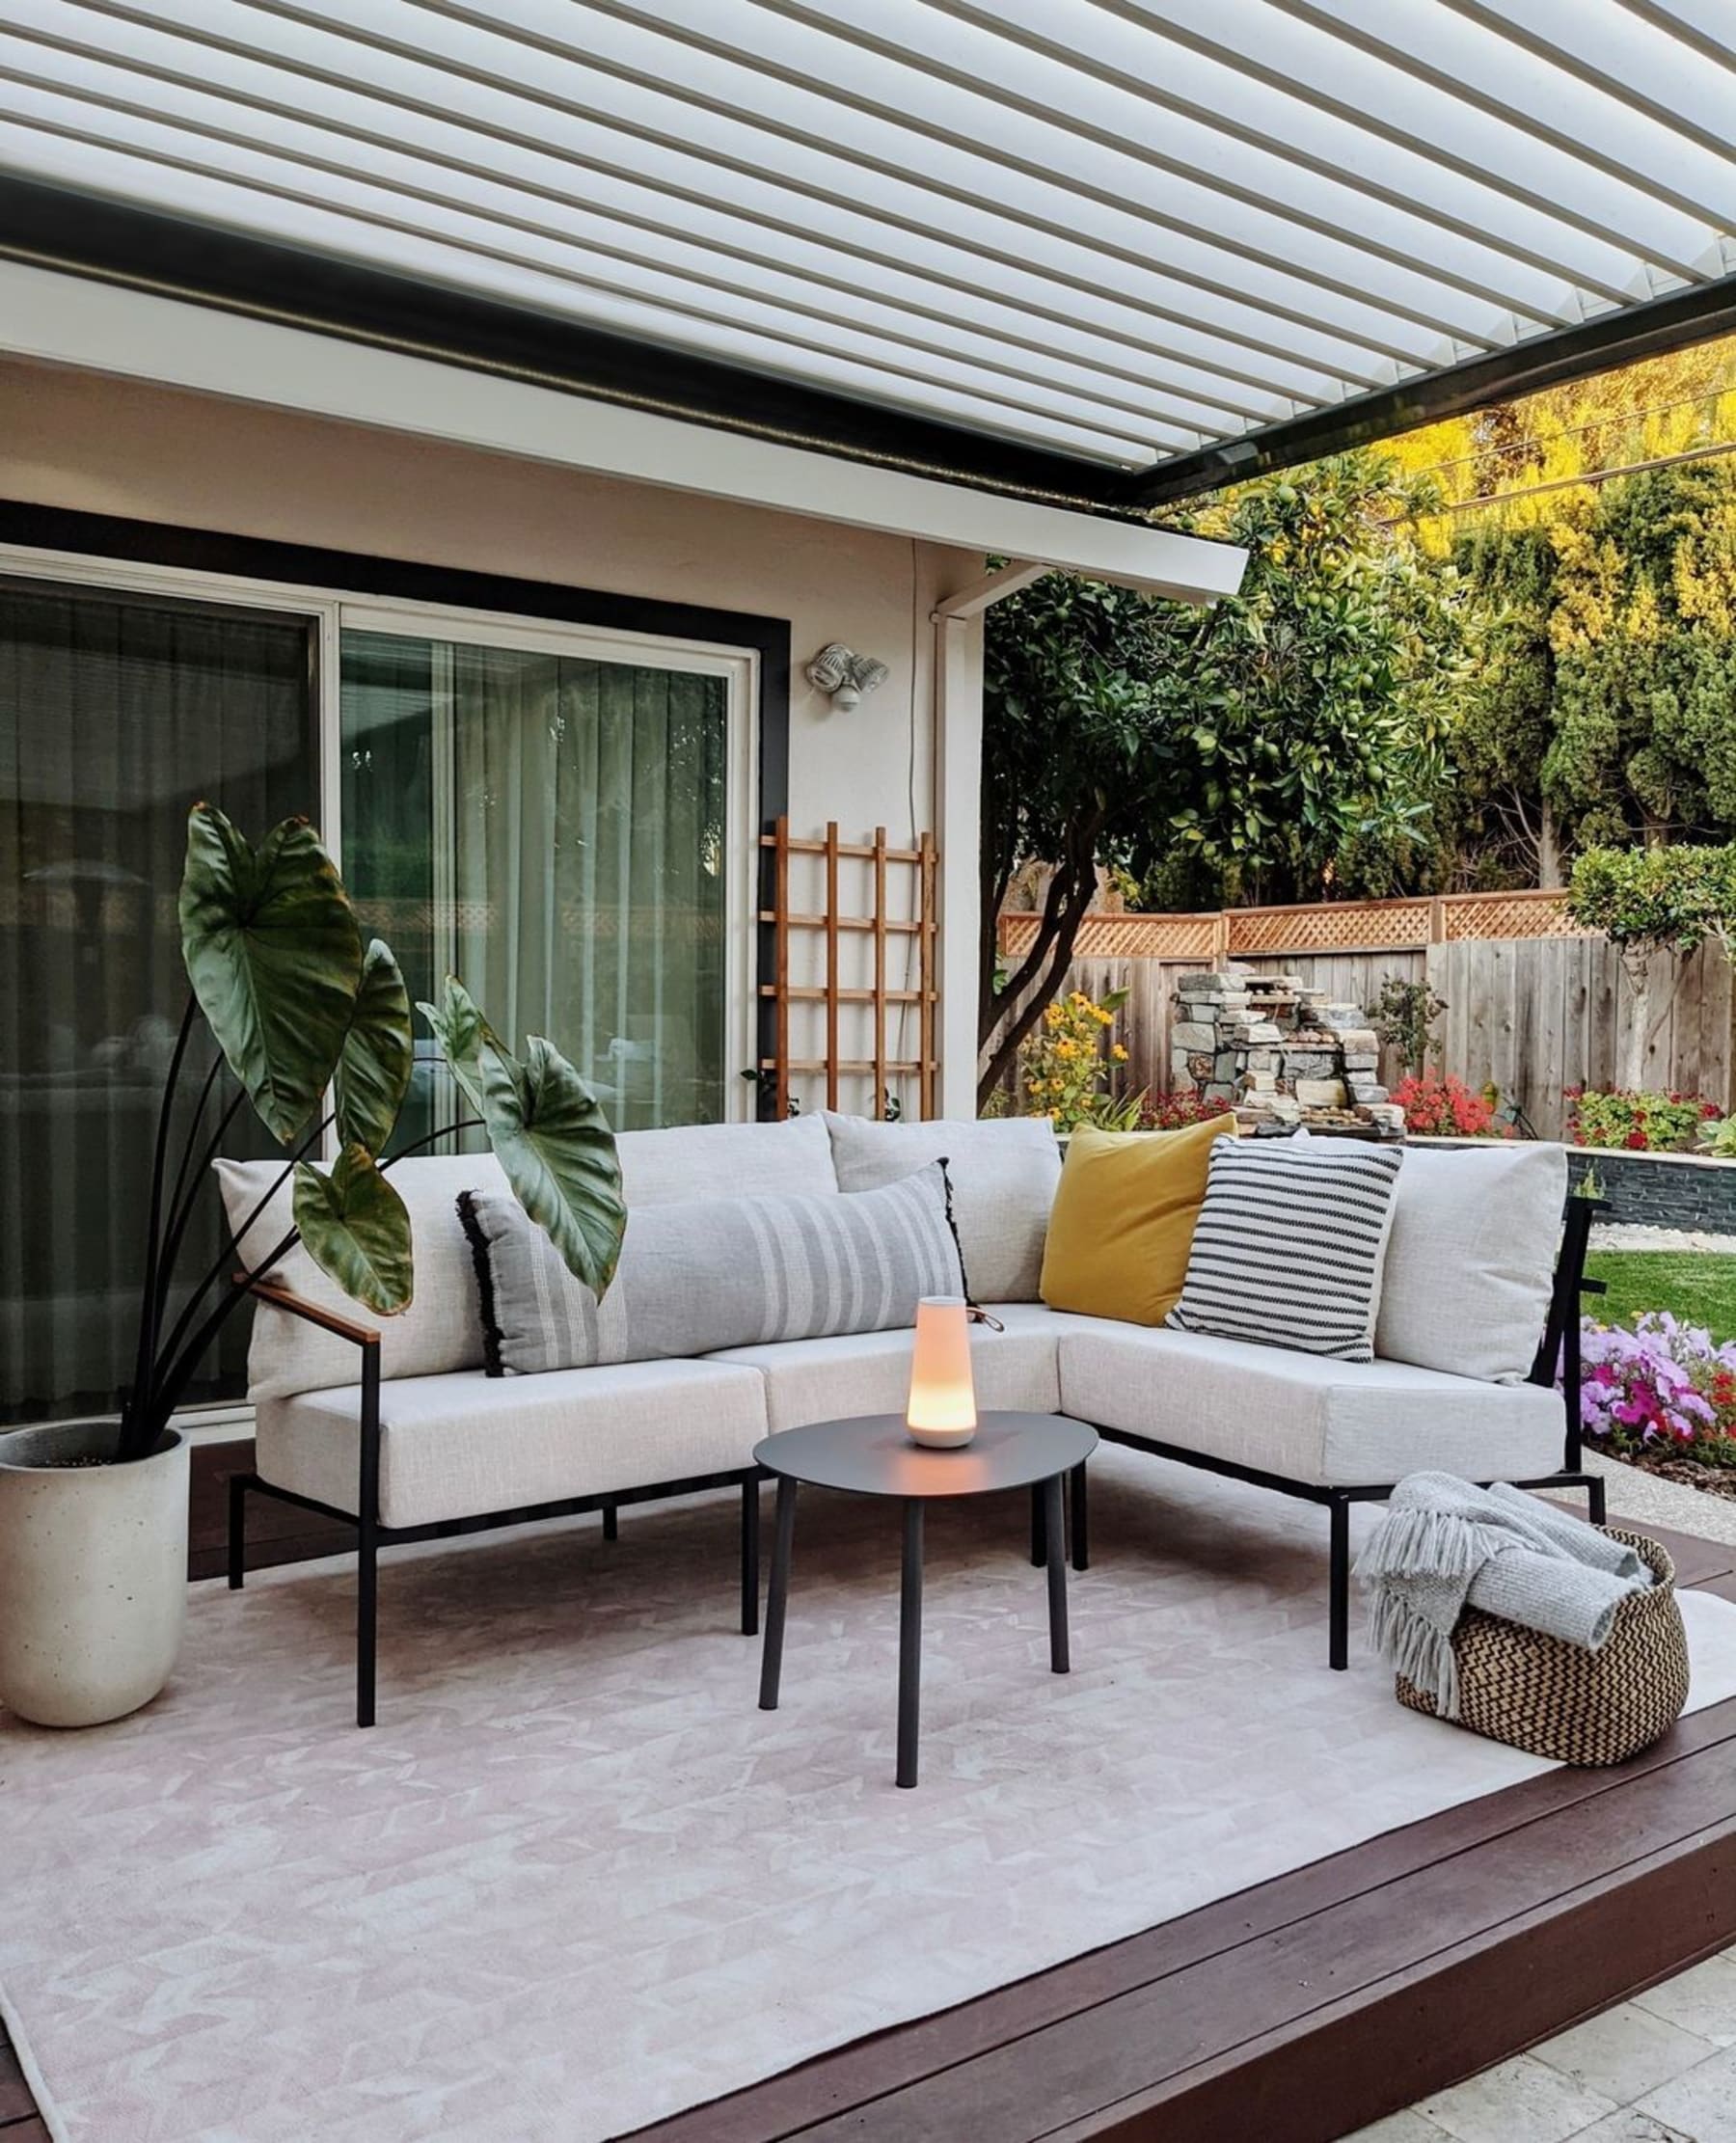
(115, 713)
(575, 871)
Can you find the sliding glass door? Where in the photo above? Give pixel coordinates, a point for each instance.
(561, 817)
(115, 713)
(555, 828)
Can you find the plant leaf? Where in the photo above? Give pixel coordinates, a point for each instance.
(558, 1153)
(274, 954)
(463, 1034)
(373, 1068)
(356, 1230)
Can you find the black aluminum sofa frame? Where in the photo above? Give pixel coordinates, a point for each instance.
(372, 1534)
(1558, 1352)
(1557, 1355)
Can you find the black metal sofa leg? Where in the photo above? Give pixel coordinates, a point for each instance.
(612, 1523)
(367, 1575)
(1339, 1643)
(237, 1531)
(1596, 1498)
(750, 1558)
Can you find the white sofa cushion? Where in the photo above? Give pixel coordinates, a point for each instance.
(869, 1372)
(460, 1445)
(1306, 1416)
(726, 1160)
(1004, 1172)
(1471, 1258)
(713, 1272)
(441, 1329)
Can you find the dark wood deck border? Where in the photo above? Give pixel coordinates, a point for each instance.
(1306, 2007)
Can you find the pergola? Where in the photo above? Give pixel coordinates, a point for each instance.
(1095, 255)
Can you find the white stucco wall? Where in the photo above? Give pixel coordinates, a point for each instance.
(102, 444)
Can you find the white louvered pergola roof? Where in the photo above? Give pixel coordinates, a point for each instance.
(1099, 251)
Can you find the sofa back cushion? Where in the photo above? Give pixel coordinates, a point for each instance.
(713, 1272)
(1004, 1171)
(726, 1160)
(441, 1329)
(1123, 1220)
(1290, 1245)
(1471, 1263)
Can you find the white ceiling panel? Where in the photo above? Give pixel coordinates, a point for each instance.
(1126, 235)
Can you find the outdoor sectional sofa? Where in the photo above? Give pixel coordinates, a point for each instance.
(399, 1431)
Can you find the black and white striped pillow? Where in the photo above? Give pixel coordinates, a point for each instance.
(1290, 1245)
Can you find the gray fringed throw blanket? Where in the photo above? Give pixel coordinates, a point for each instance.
(1445, 1543)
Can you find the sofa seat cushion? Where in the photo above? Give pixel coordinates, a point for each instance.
(869, 1372)
(1306, 1416)
(461, 1444)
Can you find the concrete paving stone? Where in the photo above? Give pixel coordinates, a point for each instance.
(1630, 2126)
(1625, 2053)
(1702, 1999)
(1701, 2102)
(1401, 2127)
(1516, 2101)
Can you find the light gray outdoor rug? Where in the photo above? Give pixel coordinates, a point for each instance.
(576, 1881)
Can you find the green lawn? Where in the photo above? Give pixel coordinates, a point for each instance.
(1697, 1287)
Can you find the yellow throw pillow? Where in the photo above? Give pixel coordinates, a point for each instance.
(1124, 1217)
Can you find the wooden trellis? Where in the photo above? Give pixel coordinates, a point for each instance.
(878, 1002)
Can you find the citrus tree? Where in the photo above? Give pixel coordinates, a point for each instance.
(1665, 898)
(1284, 743)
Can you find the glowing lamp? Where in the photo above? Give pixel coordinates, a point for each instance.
(941, 1410)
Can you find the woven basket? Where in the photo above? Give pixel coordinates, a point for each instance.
(1556, 1699)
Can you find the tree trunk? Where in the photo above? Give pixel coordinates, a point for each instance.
(1637, 965)
(1020, 1005)
(1549, 850)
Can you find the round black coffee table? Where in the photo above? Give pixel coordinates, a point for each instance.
(873, 1456)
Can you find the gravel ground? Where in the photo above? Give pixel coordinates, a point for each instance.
(1649, 1500)
(1661, 1239)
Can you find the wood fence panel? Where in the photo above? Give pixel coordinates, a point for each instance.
(1529, 1016)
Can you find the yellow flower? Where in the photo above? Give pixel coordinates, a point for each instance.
(1118, 1052)
(1054, 1116)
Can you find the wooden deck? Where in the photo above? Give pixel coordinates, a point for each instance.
(1297, 2011)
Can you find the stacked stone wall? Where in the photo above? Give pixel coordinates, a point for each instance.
(1279, 1053)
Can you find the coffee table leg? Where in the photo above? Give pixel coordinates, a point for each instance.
(910, 1644)
(1057, 1577)
(771, 1654)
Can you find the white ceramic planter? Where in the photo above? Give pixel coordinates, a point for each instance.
(93, 1573)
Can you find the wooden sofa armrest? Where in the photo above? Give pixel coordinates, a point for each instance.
(329, 1321)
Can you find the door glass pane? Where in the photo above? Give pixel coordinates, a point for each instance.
(552, 830)
(116, 714)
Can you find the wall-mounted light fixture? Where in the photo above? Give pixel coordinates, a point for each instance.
(843, 675)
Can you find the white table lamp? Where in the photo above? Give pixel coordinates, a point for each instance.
(941, 1410)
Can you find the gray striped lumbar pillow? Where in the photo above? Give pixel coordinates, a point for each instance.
(713, 1272)
(1290, 1245)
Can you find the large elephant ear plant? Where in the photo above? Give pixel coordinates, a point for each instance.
(314, 1024)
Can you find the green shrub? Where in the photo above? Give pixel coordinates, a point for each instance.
(1636, 1121)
